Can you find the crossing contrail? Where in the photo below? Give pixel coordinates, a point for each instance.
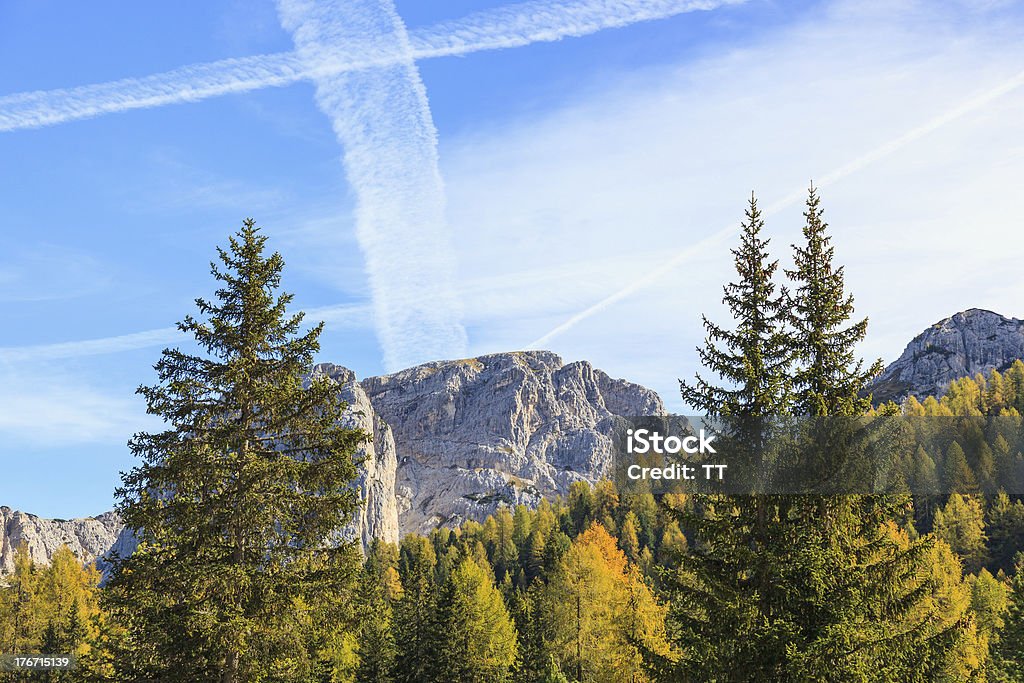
(382, 119)
(513, 26)
(362, 60)
(970, 105)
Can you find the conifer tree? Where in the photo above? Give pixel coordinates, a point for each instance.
(237, 502)
(752, 358)
(380, 588)
(961, 524)
(956, 473)
(1005, 531)
(628, 540)
(601, 612)
(811, 587)
(719, 586)
(480, 640)
(829, 379)
(416, 629)
(1009, 650)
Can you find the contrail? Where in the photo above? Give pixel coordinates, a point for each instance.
(362, 60)
(972, 104)
(89, 347)
(382, 119)
(512, 26)
(342, 315)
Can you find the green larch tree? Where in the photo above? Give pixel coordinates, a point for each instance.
(961, 524)
(479, 643)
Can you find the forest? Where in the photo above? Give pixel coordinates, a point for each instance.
(241, 575)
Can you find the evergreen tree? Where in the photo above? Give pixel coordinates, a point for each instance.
(504, 553)
(237, 503)
(986, 470)
(553, 674)
(716, 588)
(527, 609)
(814, 587)
(752, 359)
(1005, 531)
(829, 379)
(416, 628)
(479, 644)
(581, 506)
(380, 587)
(956, 473)
(534, 559)
(1008, 651)
(628, 539)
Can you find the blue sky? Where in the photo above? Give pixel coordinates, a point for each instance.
(583, 198)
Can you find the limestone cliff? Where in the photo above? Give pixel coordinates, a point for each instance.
(507, 428)
(961, 345)
(89, 538)
(448, 441)
(378, 513)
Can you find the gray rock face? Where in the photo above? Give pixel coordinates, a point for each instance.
(964, 344)
(450, 441)
(89, 538)
(378, 514)
(507, 428)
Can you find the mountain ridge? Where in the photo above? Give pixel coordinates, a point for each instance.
(961, 345)
(449, 441)
(454, 440)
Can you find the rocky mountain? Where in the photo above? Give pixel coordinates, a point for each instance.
(90, 538)
(449, 441)
(507, 428)
(961, 345)
(378, 514)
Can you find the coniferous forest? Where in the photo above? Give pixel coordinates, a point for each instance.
(241, 573)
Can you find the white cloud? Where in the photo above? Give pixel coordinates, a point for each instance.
(912, 116)
(382, 119)
(362, 60)
(45, 408)
(512, 26)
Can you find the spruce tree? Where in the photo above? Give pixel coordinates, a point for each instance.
(379, 588)
(237, 502)
(810, 587)
(721, 604)
(752, 359)
(416, 625)
(829, 379)
(1008, 652)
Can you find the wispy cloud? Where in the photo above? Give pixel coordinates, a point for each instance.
(382, 119)
(362, 60)
(512, 26)
(51, 409)
(544, 21)
(859, 163)
(908, 115)
(13, 355)
(338, 317)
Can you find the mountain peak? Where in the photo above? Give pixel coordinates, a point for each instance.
(964, 344)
